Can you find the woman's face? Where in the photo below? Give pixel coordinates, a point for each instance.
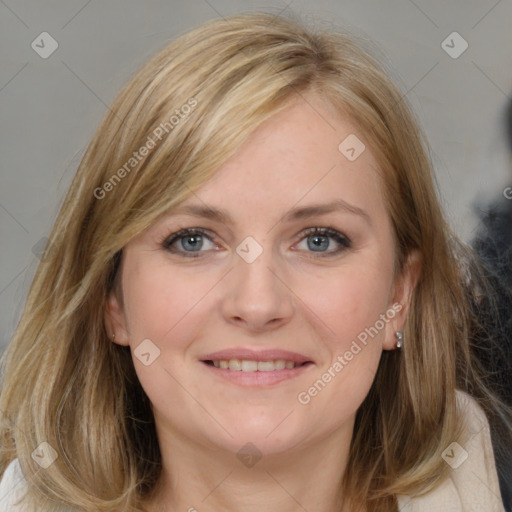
(256, 284)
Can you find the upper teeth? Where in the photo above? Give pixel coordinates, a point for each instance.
(253, 366)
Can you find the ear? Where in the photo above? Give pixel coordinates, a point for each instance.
(115, 321)
(401, 296)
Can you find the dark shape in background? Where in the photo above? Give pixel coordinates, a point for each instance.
(492, 336)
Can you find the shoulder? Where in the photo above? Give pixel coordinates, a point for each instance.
(472, 484)
(12, 488)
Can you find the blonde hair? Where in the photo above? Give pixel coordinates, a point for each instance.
(66, 383)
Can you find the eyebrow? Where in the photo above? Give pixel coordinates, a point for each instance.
(295, 214)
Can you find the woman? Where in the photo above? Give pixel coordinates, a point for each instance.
(251, 298)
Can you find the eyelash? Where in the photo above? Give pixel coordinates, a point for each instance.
(344, 241)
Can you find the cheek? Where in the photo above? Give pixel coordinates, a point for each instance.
(159, 304)
(158, 300)
(351, 307)
(351, 301)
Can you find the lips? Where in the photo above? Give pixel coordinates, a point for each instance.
(247, 365)
(242, 354)
(256, 368)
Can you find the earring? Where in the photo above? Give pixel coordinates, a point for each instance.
(399, 335)
(113, 337)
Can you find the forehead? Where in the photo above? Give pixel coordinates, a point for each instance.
(305, 154)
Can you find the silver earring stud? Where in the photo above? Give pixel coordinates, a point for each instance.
(399, 335)
(113, 337)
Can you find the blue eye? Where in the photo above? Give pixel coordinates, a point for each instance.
(318, 240)
(190, 242)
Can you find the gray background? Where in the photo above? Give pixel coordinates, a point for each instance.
(51, 107)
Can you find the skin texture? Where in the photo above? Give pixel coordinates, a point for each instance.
(294, 296)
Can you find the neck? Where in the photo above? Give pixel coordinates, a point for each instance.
(194, 478)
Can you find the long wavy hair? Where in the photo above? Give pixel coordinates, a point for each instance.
(63, 380)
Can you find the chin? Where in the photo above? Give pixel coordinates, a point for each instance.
(268, 436)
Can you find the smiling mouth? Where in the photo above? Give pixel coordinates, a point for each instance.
(246, 365)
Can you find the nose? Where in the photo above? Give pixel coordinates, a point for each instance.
(256, 296)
